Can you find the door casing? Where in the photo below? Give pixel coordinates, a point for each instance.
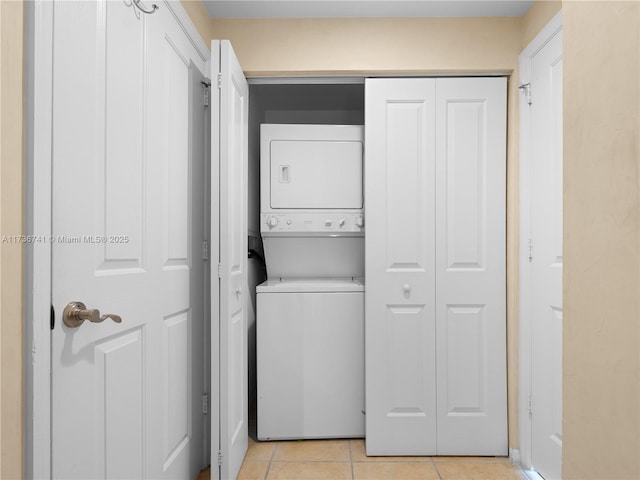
(524, 360)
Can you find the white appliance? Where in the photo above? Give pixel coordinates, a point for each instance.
(310, 311)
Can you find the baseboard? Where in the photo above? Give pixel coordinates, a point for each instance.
(516, 459)
(514, 456)
(532, 475)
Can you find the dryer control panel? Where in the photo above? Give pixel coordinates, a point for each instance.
(312, 223)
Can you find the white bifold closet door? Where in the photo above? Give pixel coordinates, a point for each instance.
(435, 264)
(229, 130)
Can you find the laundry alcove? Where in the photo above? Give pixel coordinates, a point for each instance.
(325, 101)
(435, 170)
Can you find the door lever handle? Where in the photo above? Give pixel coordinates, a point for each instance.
(75, 313)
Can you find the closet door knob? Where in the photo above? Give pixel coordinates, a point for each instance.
(406, 288)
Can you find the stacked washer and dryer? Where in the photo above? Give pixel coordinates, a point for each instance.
(310, 310)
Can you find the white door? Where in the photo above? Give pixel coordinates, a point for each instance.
(122, 217)
(545, 273)
(470, 266)
(230, 129)
(400, 267)
(435, 338)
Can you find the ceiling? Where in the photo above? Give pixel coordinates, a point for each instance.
(365, 8)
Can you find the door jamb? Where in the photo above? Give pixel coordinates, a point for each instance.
(39, 26)
(38, 267)
(525, 360)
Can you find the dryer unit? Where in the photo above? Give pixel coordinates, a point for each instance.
(311, 200)
(310, 311)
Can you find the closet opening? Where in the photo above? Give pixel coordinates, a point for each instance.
(317, 101)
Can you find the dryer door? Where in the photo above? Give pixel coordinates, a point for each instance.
(316, 174)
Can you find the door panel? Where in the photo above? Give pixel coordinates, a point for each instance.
(399, 244)
(232, 127)
(470, 264)
(464, 198)
(120, 163)
(465, 360)
(546, 259)
(435, 263)
(119, 388)
(406, 376)
(121, 398)
(176, 103)
(169, 148)
(94, 361)
(176, 261)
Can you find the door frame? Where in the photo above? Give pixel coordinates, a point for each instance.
(525, 360)
(38, 57)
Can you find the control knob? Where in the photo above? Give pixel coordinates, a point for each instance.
(360, 221)
(272, 222)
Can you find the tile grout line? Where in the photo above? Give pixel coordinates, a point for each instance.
(351, 459)
(435, 464)
(273, 453)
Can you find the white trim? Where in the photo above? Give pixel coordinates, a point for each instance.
(39, 64)
(532, 475)
(358, 80)
(543, 37)
(514, 456)
(39, 123)
(524, 361)
(337, 79)
(183, 19)
(214, 249)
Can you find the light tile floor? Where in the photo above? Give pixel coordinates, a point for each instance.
(346, 460)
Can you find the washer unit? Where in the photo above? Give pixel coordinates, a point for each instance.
(310, 311)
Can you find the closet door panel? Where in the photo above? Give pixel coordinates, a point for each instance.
(400, 266)
(470, 266)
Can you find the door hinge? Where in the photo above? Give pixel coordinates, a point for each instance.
(206, 97)
(205, 403)
(205, 250)
(219, 270)
(529, 406)
(219, 80)
(530, 246)
(526, 89)
(219, 458)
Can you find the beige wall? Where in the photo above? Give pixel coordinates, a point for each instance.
(11, 223)
(391, 46)
(343, 46)
(601, 411)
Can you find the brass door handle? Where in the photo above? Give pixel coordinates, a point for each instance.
(75, 313)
